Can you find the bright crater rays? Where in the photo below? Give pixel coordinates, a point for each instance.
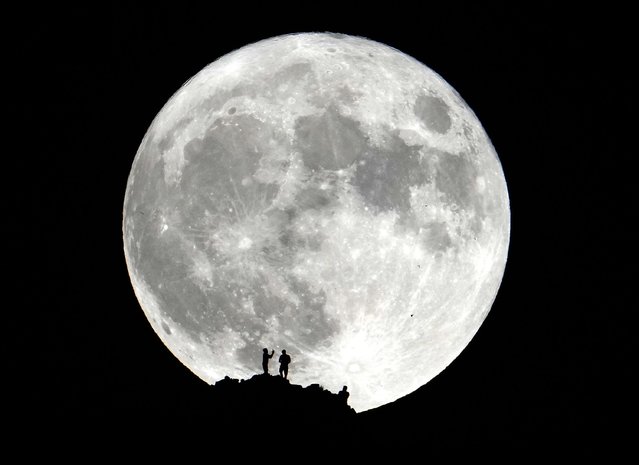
(323, 194)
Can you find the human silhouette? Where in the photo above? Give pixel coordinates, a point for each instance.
(343, 395)
(265, 358)
(285, 359)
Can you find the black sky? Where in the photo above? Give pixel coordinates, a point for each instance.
(552, 88)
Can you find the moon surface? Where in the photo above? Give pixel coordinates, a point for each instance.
(324, 194)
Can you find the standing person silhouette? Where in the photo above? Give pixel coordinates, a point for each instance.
(284, 361)
(265, 358)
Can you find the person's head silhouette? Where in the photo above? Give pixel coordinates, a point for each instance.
(284, 351)
(265, 350)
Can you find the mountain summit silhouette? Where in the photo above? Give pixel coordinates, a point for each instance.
(274, 397)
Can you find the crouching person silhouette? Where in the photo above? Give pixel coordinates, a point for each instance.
(343, 395)
(285, 359)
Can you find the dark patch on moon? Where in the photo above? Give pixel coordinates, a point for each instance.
(200, 310)
(310, 198)
(291, 239)
(169, 138)
(166, 328)
(313, 198)
(280, 252)
(347, 95)
(336, 35)
(329, 141)
(384, 175)
(216, 165)
(456, 177)
(433, 112)
(291, 76)
(436, 237)
(167, 269)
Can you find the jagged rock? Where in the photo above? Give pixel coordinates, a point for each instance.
(273, 397)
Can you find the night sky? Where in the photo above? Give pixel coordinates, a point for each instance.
(552, 361)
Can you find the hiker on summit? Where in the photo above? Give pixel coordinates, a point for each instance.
(285, 359)
(265, 358)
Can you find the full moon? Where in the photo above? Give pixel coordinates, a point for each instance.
(324, 194)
